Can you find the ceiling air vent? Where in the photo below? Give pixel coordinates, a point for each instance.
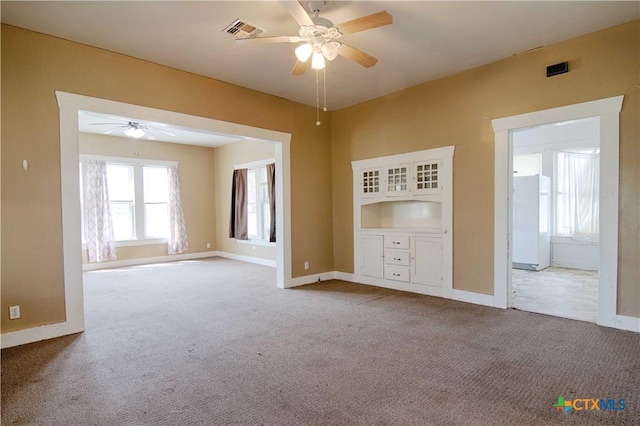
(242, 29)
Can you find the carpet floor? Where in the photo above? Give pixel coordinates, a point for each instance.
(214, 342)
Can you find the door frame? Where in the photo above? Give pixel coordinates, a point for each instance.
(608, 111)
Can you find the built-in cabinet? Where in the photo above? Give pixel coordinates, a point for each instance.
(403, 221)
(394, 180)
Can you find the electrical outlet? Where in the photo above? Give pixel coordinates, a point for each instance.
(14, 312)
(306, 265)
(208, 245)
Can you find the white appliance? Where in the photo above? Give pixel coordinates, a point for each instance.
(531, 222)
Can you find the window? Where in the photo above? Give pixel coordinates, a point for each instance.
(577, 175)
(138, 199)
(156, 200)
(258, 215)
(122, 200)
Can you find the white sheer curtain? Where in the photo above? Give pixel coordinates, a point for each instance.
(178, 241)
(578, 181)
(100, 241)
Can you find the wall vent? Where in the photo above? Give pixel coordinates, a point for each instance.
(242, 29)
(556, 69)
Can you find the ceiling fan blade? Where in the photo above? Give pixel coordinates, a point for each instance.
(108, 124)
(300, 67)
(108, 132)
(298, 12)
(265, 40)
(356, 55)
(376, 20)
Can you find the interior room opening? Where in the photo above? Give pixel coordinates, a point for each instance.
(70, 105)
(555, 219)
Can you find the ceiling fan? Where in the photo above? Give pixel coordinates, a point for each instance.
(319, 36)
(133, 129)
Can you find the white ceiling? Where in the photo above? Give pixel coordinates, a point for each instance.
(112, 125)
(427, 40)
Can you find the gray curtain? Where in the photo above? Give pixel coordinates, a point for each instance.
(271, 185)
(238, 225)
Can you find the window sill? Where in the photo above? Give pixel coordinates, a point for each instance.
(131, 243)
(262, 243)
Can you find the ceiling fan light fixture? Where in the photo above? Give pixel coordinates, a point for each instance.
(317, 61)
(330, 50)
(134, 132)
(304, 51)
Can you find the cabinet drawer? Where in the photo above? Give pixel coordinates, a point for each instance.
(396, 257)
(396, 273)
(396, 241)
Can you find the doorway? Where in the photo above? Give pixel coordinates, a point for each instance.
(70, 105)
(555, 218)
(607, 111)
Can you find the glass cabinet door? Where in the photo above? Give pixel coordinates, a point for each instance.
(426, 177)
(370, 183)
(397, 180)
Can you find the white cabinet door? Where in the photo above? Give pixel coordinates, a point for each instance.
(427, 261)
(427, 177)
(373, 256)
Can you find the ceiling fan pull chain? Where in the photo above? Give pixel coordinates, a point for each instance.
(317, 100)
(324, 88)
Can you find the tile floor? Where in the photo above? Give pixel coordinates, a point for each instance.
(562, 292)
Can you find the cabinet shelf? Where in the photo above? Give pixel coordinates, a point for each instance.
(401, 214)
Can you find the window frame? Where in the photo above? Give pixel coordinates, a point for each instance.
(257, 165)
(138, 204)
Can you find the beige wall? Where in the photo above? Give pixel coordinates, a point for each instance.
(34, 66)
(455, 110)
(458, 110)
(226, 157)
(196, 168)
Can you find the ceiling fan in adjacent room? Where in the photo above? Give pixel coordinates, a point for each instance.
(132, 129)
(319, 36)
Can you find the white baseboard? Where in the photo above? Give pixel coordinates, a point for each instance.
(627, 323)
(36, 334)
(344, 276)
(257, 260)
(313, 278)
(147, 260)
(472, 297)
